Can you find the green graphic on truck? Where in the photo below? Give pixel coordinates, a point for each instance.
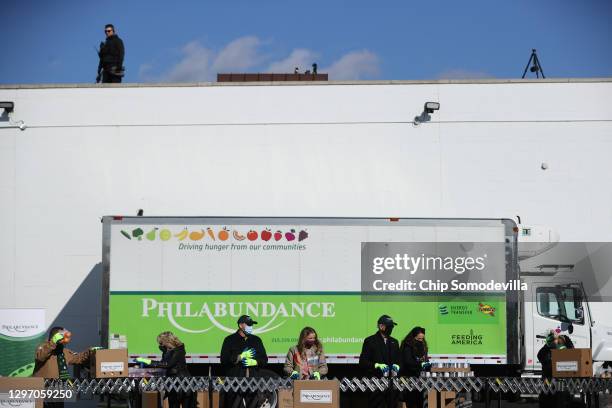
(342, 320)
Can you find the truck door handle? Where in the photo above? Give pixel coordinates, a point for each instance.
(539, 336)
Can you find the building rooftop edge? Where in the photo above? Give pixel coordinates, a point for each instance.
(308, 83)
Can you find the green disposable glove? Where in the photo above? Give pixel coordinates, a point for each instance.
(550, 340)
(382, 367)
(316, 375)
(249, 362)
(145, 361)
(395, 368)
(247, 353)
(57, 337)
(294, 375)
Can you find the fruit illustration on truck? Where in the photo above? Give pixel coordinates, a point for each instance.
(196, 235)
(290, 236)
(165, 234)
(266, 234)
(151, 234)
(182, 235)
(223, 234)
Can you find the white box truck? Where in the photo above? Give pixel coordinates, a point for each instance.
(196, 275)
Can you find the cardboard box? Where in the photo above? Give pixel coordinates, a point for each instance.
(149, 399)
(316, 394)
(109, 363)
(572, 363)
(285, 398)
(446, 399)
(20, 383)
(202, 400)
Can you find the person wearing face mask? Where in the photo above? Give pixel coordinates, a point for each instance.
(559, 342)
(174, 361)
(414, 360)
(380, 357)
(243, 353)
(52, 359)
(306, 360)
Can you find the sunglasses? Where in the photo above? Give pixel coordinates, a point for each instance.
(108, 31)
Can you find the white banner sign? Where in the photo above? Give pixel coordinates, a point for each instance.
(22, 323)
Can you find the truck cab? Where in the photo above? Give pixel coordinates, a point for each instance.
(556, 301)
(557, 304)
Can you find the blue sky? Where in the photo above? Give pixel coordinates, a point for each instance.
(53, 42)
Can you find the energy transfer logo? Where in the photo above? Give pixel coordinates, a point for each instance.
(271, 315)
(208, 233)
(443, 310)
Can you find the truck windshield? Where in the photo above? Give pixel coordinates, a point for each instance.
(563, 303)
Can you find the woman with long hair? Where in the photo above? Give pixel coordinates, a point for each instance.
(174, 361)
(414, 355)
(306, 359)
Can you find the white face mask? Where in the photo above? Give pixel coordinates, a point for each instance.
(248, 329)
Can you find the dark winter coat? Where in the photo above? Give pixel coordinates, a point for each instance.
(173, 360)
(413, 355)
(375, 351)
(233, 346)
(112, 53)
(545, 358)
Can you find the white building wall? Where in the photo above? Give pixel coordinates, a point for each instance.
(336, 149)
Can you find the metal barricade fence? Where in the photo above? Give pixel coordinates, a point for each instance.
(347, 385)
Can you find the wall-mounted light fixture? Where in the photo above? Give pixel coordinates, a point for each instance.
(7, 106)
(425, 116)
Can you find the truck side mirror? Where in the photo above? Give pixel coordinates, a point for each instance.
(579, 313)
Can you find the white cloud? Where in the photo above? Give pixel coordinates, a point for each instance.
(198, 63)
(355, 65)
(239, 55)
(194, 66)
(300, 57)
(144, 71)
(464, 74)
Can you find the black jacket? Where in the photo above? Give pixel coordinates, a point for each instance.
(233, 346)
(112, 52)
(375, 350)
(173, 361)
(411, 360)
(545, 358)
